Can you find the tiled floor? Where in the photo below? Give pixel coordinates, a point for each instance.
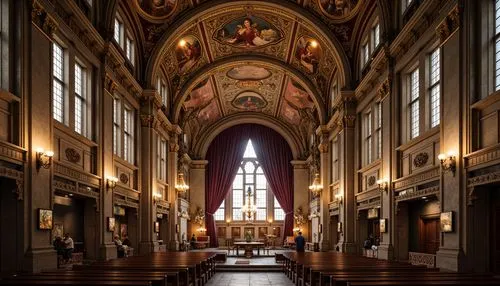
(247, 279)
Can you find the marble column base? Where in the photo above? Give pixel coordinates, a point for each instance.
(147, 247)
(348, 247)
(324, 245)
(386, 251)
(41, 259)
(173, 245)
(108, 251)
(450, 259)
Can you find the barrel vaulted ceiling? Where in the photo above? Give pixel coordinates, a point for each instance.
(226, 59)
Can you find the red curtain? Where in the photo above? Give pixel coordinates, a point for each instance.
(275, 156)
(224, 156)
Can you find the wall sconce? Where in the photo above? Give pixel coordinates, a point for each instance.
(297, 229)
(228, 221)
(201, 229)
(316, 186)
(338, 198)
(157, 197)
(111, 182)
(448, 162)
(383, 184)
(43, 158)
(270, 222)
(181, 186)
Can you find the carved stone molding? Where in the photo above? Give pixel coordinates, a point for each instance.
(483, 179)
(72, 155)
(76, 175)
(42, 19)
(348, 121)
(124, 178)
(75, 188)
(471, 196)
(449, 25)
(371, 181)
(148, 120)
(12, 153)
(417, 178)
(109, 84)
(19, 190)
(420, 159)
(482, 157)
(385, 88)
(412, 194)
(127, 202)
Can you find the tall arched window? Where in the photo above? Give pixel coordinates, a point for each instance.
(251, 175)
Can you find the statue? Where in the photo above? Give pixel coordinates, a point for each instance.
(199, 217)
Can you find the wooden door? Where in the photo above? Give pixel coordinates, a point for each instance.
(495, 234)
(429, 242)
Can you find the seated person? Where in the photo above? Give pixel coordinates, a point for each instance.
(58, 245)
(122, 249)
(126, 241)
(69, 246)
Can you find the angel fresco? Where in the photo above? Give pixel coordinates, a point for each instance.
(308, 53)
(248, 32)
(188, 53)
(338, 8)
(157, 8)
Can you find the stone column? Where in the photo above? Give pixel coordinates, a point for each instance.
(347, 212)
(173, 218)
(197, 187)
(386, 247)
(40, 254)
(324, 219)
(148, 141)
(450, 255)
(301, 188)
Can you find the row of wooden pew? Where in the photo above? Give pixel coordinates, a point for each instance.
(339, 269)
(158, 269)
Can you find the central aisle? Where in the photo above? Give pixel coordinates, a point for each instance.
(249, 278)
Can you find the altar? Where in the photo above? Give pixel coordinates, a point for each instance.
(248, 246)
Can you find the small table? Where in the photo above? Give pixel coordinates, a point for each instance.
(249, 246)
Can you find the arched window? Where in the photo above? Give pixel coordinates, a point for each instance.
(251, 175)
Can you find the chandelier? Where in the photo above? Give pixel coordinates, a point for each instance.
(181, 186)
(316, 186)
(249, 208)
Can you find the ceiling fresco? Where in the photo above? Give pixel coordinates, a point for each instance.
(291, 79)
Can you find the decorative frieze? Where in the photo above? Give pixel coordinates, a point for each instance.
(42, 19)
(449, 25)
(411, 194)
(385, 88)
(489, 178)
(127, 202)
(76, 175)
(416, 258)
(482, 157)
(417, 179)
(12, 153)
(109, 84)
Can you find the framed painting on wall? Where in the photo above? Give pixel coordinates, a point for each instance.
(45, 219)
(446, 221)
(250, 230)
(236, 232)
(58, 230)
(383, 225)
(111, 224)
(372, 213)
(262, 231)
(123, 230)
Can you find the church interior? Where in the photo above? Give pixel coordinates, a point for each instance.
(283, 142)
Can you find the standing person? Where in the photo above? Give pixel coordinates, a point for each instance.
(367, 245)
(300, 242)
(69, 246)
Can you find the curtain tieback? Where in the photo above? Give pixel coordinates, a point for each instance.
(289, 213)
(209, 214)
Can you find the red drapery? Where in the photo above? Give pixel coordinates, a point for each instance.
(275, 156)
(224, 156)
